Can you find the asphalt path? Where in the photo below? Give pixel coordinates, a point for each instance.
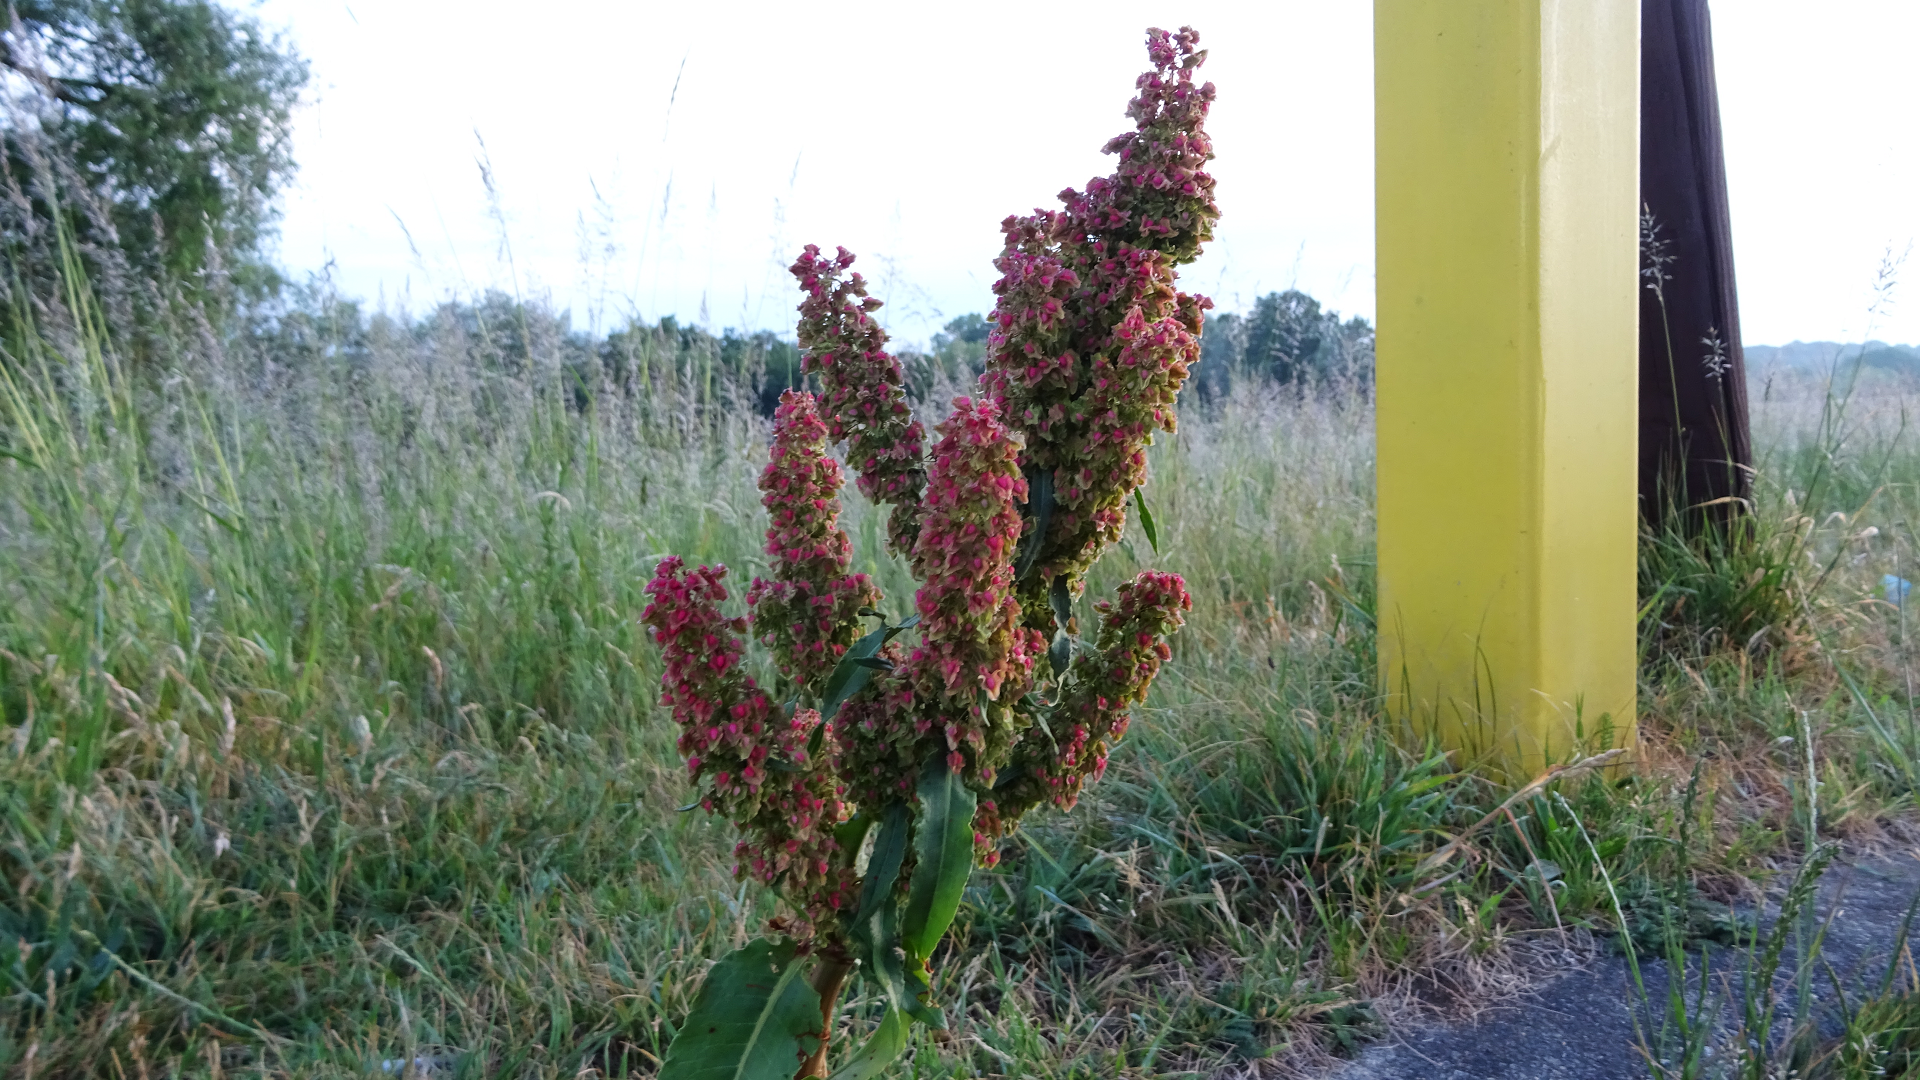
(1580, 1025)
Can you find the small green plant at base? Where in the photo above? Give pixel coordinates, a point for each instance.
(867, 796)
(1880, 1036)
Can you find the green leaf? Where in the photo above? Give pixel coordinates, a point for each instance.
(851, 833)
(1060, 652)
(944, 850)
(857, 665)
(1146, 520)
(869, 644)
(1040, 721)
(883, 865)
(849, 677)
(217, 517)
(1040, 499)
(755, 1019)
(885, 1044)
(887, 965)
(1060, 597)
(876, 927)
(1013, 774)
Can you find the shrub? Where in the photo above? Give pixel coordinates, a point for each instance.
(871, 778)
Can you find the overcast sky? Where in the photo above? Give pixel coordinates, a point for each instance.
(670, 159)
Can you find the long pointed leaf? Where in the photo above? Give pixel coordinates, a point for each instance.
(906, 990)
(754, 1019)
(944, 849)
(1060, 596)
(852, 833)
(881, 1048)
(849, 675)
(1060, 652)
(1146, 520)
(877, 925)
(857, 665)
(1040, 498)
(883, 865)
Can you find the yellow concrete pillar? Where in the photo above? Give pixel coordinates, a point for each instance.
(1507, 171)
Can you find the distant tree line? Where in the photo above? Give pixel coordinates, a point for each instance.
(498, 336)
(155, 135)
(167, 123)
(1286, 340)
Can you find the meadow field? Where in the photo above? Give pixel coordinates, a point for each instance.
(330, 744)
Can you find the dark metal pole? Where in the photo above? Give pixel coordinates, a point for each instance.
(1696, 450)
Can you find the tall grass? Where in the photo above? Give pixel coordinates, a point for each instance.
(327, 715)
(328, 737)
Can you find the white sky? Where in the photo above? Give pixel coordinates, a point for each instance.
(907, 132)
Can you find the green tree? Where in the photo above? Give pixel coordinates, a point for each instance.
(173, 116)
(1287, 338)
(962, 346)
(1291, 339)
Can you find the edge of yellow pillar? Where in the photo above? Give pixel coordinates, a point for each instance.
(1507, 173)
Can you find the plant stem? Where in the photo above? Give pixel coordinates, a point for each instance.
(826, 980)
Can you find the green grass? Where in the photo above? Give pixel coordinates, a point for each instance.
(328, 734)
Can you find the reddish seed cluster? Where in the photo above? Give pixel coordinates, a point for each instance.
(1090, 340)
(1160, 196)
(1035, 370)
(866, 398)
(733, 737)
(807, 611)
(1092, 713)
(1131, 392)
(988, 827)
(881, 740)
(973, 652)
(1090, 343)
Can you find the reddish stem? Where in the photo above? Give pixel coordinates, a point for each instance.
(826, 980)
